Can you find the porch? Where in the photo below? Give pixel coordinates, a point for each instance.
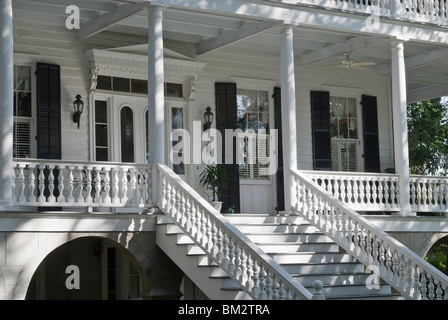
(108, 186)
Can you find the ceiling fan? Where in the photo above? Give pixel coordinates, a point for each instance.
(349, 63)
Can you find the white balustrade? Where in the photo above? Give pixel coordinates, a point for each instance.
(428, 11)
(404, 270)
(251, 268)
(86, 184)
(429, 193)
(362, 191)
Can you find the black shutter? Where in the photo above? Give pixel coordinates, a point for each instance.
(226, 118)
(48, 111)
(278, 126)
(371, 140)
(320, 121)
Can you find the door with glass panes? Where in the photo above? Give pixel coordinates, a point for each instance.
(120, 128)
(254, 116)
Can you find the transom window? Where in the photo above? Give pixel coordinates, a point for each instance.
(129, 85)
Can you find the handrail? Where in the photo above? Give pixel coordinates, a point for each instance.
(61, 183)
(402, 268)
(250, 267)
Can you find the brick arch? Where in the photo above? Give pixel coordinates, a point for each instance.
(58, 240)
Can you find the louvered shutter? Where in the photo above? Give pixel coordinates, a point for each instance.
(49, 120)
(278, 126)
(48, 111)
(226, 118)
(320, 119)
(371, 140)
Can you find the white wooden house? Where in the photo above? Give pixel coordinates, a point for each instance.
(326, 83)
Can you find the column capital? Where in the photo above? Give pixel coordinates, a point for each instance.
(398, 42)
(155, 8)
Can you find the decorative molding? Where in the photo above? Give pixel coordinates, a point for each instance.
(135, 66)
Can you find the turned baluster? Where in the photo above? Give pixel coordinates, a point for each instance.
(70, 197)
(13, 184)
(32, 184)
(107, 198)
(88, 171)
(417, 283)
(51, 197)
(115, 186)
(61, 197)
(124, 187)
(22, 197)
(262, 284)
(80, 186)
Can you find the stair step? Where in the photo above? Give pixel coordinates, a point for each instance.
(276, 228)
(294, 244)
(316, 267)
(291, 237)
(292, 247)
(311, 257)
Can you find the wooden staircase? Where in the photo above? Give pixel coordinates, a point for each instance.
(294, 244)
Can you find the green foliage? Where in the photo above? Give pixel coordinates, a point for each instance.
(213, 178)
(437, 256)
(428, 136)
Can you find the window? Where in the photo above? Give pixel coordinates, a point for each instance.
(101, 131)
(177, 122)
(22, 112)
(127, 134)
(119, 84)
(344, 133)
(253, 120)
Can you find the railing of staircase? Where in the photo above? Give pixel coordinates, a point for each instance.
(404, 270)
(251, 268)
(54, 183)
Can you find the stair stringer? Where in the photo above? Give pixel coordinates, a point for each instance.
(178, 247)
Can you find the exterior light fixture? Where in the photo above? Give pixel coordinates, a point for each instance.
(208, 118)
(78, 107)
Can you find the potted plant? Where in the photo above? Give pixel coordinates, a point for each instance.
(213, 178)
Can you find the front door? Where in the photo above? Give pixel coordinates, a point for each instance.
(255, 119)
(120, 128)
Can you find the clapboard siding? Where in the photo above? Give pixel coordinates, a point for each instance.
(47, 39)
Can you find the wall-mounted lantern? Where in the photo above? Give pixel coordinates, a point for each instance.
(78, 107)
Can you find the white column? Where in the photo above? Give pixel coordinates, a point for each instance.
(6, 103)
(288, 111)
(399, 104)
(156, 96)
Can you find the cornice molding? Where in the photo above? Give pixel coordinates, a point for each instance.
(135, 66)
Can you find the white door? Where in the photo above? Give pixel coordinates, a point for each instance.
(255, 115)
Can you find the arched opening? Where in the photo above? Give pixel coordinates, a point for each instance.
(438, 255)
(87, 268)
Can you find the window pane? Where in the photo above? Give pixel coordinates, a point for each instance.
(139, 86)
(104, 83)
(173, 90)
(101, 135)
(127, 135)
(101, 154)
(121, 84)
(100, 111)
(22, 78)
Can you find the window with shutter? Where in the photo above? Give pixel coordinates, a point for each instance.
(23, 113)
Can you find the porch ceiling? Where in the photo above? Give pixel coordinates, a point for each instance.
(196, 32)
